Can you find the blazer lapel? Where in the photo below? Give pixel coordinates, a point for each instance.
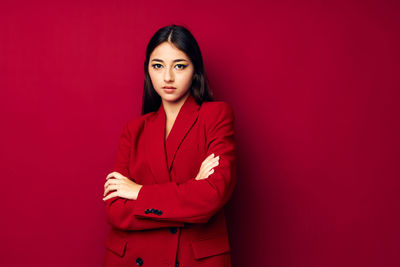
(160, 153)
(155, 152)
(183, 123)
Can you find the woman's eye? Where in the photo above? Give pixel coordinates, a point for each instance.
(156, 66)
(181, 66)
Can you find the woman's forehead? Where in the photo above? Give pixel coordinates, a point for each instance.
(168, 52)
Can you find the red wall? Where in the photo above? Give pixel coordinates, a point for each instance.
(315, 90)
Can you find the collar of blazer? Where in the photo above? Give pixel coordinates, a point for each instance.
(161, 153)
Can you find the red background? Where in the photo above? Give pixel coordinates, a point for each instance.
(315, 90)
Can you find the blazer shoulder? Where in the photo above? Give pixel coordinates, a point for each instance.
(136, 123)
(217, 109)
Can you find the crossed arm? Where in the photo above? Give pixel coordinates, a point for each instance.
(124, 187)
(194, 201)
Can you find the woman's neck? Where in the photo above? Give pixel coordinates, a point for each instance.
(172, 108)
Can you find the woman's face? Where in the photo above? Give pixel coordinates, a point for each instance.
(170, 67)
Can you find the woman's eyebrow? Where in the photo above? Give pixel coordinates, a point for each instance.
(176, 60)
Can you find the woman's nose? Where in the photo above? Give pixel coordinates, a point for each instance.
(168, 75)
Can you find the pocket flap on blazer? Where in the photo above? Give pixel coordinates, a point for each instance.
(115, 243)
(209, 247)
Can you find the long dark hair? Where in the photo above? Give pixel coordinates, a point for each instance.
(184, 41)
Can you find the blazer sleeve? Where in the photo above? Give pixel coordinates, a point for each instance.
(120, 210)
(196, 201)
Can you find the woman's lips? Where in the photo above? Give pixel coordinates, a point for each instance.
(169, 89)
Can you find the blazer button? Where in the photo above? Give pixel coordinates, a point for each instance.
(152, 210)
(173, 230)
(177, 263)
(159, 212)
(146, 211)
(139, 261)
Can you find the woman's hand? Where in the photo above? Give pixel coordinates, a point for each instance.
(122, 187)
(207, 166)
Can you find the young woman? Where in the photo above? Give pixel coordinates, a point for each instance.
(175, 167)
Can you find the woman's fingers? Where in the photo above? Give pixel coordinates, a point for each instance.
(205, 176)
(210, 172)
(110, 175)
(116, 175)
(113, 194)
(111, 188)
(212, 163)
(112, 181)
(209, 160)
(210, 157)
(207, 166)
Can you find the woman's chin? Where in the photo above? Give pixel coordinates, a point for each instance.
(173, 98)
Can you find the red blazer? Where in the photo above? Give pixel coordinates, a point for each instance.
(176, 220)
